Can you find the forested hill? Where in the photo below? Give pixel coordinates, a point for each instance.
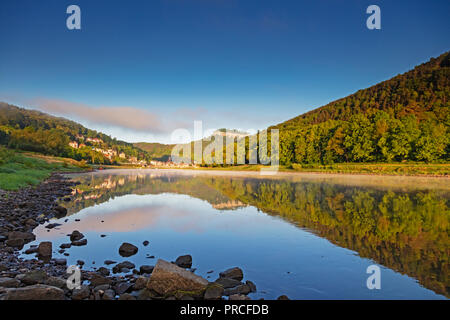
(32, 130)
(404, 118)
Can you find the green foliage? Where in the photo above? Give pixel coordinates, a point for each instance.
(406, 118)
(18, 171)
(35, 131)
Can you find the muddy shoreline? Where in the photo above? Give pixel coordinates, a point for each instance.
(41, 277)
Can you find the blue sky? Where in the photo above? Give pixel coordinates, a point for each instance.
(236, 64)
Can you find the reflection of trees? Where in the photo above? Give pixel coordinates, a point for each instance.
(405, 231)
(98, 189)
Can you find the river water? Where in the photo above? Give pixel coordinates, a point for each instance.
(309, 236)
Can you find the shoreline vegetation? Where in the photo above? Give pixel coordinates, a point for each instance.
(20, 169)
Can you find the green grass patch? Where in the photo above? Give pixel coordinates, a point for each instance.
(18, 171)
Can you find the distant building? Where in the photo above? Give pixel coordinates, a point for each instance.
(73, 144)
(122, 155)
(94, 140)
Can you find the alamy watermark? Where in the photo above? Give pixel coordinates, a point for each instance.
(74, 279)
(374, 280)
(227, 147)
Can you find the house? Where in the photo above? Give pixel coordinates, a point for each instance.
(73, 144)
(94, 140)
(122, 155)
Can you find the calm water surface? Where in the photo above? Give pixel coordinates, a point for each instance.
(307, 236)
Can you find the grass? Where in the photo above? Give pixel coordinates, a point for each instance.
(18, 170)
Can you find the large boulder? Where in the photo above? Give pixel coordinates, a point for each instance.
(45, 249)
(127, 249)
(35, 292)
(184, 261)
(232, 273)
(169, 279)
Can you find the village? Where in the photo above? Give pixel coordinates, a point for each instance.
(96, 143)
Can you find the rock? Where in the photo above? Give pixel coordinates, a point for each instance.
(34, 277)
(52, 225)
(102, 287)
(127, 249)
(102, 235)
(65, 246)
(9, 283)
(283, 297)
(108, 295)
(240, 289)
(184, 261)
(123, 265)
(146, 269)
(232, 273)
(97, 280)
(45, 249)
(25, 236)
(60, 212)
(34, 292)
(32, 223)
(251, 285)
(15, 243)
(80, 263)
(79, 243)
(61, 262)
(76, 235)
(108, 262)
(168, 278)
(104, 271)
(214, 292)
(238, 297)
(57, 282)
(122, 287)
(31, 250)
(228, 283)
(82, 293)
(127, 296)
(140, 283)
(145, 243)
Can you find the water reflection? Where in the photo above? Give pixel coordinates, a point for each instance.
(399, 223)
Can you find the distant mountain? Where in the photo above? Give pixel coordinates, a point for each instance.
(33, 130)
(156, 151)
(162, 152)
(404, 118)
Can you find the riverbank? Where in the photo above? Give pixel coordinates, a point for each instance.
(383, 169)
(44, 277)
(19, 170)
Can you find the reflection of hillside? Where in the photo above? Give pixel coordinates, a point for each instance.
(98, 189)
(404, 230)
(407, 232)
